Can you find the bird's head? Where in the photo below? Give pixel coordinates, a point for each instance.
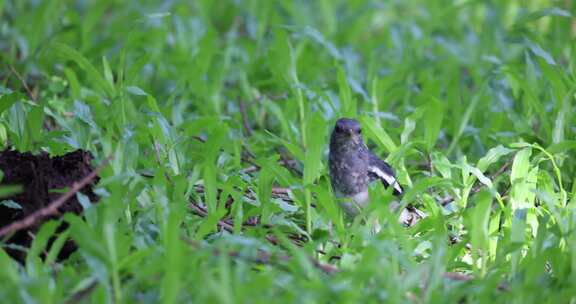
(347, 133)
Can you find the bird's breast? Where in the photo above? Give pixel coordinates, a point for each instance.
(349, 174)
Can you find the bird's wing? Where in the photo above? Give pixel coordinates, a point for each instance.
(379, 169)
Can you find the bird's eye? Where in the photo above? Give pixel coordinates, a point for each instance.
(339, 129)
(359, 131)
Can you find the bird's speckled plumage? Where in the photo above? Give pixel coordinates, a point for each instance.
(353, 166)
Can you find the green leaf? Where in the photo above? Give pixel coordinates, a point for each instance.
(492, 156)
(3, 137)
(561, 120)
(423, 184)
(563, 146)
(479, 175)
(84, 113)
(518, 232)
(211, 150)
(10, 273)
(265, 183)
(540, 52)
(72, 54)
(280, 56)
(409, 126)
(10, 190)
(107, 72)
(56, 247)
(347, 102)
(546, 12)
(10, 204)
(433, 117)
(136, 91)
(35, 122)
(479, 229)
(523, 178)
(293, 148)
(40, 242)
(7, 100)
(74, 82)
(316, 143)
(173, 255)
(520, 165)
(374, 130)
(464, 121)
(442, 164)
(87, 239)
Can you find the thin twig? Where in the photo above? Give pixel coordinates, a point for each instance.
(52, 208)
(447, 200)
(157, 153)
(457, 276)
(277, 192)
(272, 97)
(203, 213)
(24, 84)
(286, 163)
(244, 115)
(428, 165)
(290, 164)
(264, 257)
(327, 268)
(229, 226)
(81, 294)
(250, 169)
(199, 138)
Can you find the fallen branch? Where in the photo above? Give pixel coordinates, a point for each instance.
(458, 276)
(157, 154)
(81, 294)
(203, 213)
(286, 163)
(24, 84)
(476, 189)
(52, 208)
(229, 226)
(265, 258)
(277, 192)
(244, 114)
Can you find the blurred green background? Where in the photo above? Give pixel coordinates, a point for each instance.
(235, 99)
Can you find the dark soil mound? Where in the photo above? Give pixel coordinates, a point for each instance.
(39, 175)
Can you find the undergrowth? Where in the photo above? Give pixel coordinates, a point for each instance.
(216, 115)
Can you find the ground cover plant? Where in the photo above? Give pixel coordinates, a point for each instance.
(209, 121)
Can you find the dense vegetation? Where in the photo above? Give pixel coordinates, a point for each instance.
(217, 113)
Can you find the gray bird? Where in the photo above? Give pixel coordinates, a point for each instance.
(353, 167)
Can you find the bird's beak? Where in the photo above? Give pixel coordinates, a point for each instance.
(356, 139)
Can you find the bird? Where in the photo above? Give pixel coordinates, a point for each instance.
(353, 167)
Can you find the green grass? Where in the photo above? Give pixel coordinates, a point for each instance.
(196, 92)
